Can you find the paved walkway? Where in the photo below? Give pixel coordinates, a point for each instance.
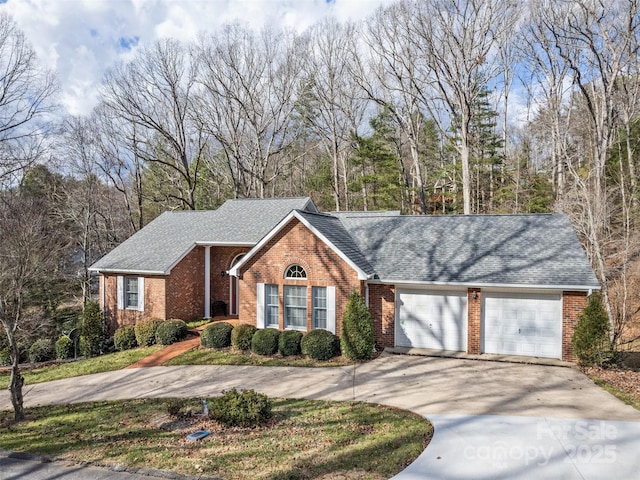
(489, 417)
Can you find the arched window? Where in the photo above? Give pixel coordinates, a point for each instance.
(295, 272)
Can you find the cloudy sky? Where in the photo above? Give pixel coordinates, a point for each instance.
(80, 39)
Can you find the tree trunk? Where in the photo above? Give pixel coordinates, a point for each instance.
(16, 382)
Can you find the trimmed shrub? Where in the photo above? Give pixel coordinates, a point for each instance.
(289, 342)
(5, 357)
(171, 331)
(265, 341)
(41, 350)
(591, 342)
(125, 338)
(92, 331)
(246, 409)
(146, 331)
(357, 339)
(174, 405)
(318, 344)
(64, 348)
(217, 335)
(241, 336)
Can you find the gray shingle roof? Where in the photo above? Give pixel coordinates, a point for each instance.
(334, 231)
(538, 250)
(164, 241)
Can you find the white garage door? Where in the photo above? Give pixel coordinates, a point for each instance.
(521, 324)
(432, 319)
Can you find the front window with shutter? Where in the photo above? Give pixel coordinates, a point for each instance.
(272, 307)
(131, 292)
(319, 307)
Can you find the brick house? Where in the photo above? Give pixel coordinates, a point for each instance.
(503, 284)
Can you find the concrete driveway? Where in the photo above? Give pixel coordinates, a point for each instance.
(490, 418)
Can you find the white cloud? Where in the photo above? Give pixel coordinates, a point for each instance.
(81, 39)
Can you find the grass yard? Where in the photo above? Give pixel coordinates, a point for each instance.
(103, 363)
(304, 439)
(228, 356)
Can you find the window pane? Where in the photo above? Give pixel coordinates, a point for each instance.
(295, 271)
(131, 292)
(319, 307)
(295, 307)
(272, 305)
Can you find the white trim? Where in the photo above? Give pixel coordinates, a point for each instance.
(146, 273)
(225, 244)
(120, 292)
(260, 305)
(207, 281)
(331, 309)
(294, 214)
(409, 283)
(141, 294)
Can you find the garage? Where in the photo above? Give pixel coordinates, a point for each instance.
(431, 319)
(523, 324)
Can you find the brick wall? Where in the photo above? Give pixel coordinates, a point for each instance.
(296, 244)
(178, 295)
(383, 310)
(154, 302)
(572, 305)
(221, 260)
(474, 320)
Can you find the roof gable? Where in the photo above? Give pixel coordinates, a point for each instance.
(162, 243)
(328, 229)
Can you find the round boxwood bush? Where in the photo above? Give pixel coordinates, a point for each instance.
(241, 336)
(125, 338)
(318, 344)
(241, 409)
(41, 350)
(289, 342)
(146, 331)
(171, 331)
(64, 348)
(217, 335)
(357, 338)
(265, 341)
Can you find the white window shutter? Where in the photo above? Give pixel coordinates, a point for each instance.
(141, 294)
(331, 309)
(120, 292)
(260, 305)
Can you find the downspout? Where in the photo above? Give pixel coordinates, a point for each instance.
(207, 282)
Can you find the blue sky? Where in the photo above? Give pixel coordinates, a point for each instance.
(80, 39)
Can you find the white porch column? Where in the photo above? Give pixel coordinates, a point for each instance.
(207, 282)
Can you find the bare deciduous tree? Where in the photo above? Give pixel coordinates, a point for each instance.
(458, 43)
(29, 253)
(155, 94)
(26, 94)
(333, 104)
(250, 86)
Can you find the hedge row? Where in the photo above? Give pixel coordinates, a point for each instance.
(317, 344)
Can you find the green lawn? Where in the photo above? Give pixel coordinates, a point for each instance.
(305, 439)
(104, 363)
